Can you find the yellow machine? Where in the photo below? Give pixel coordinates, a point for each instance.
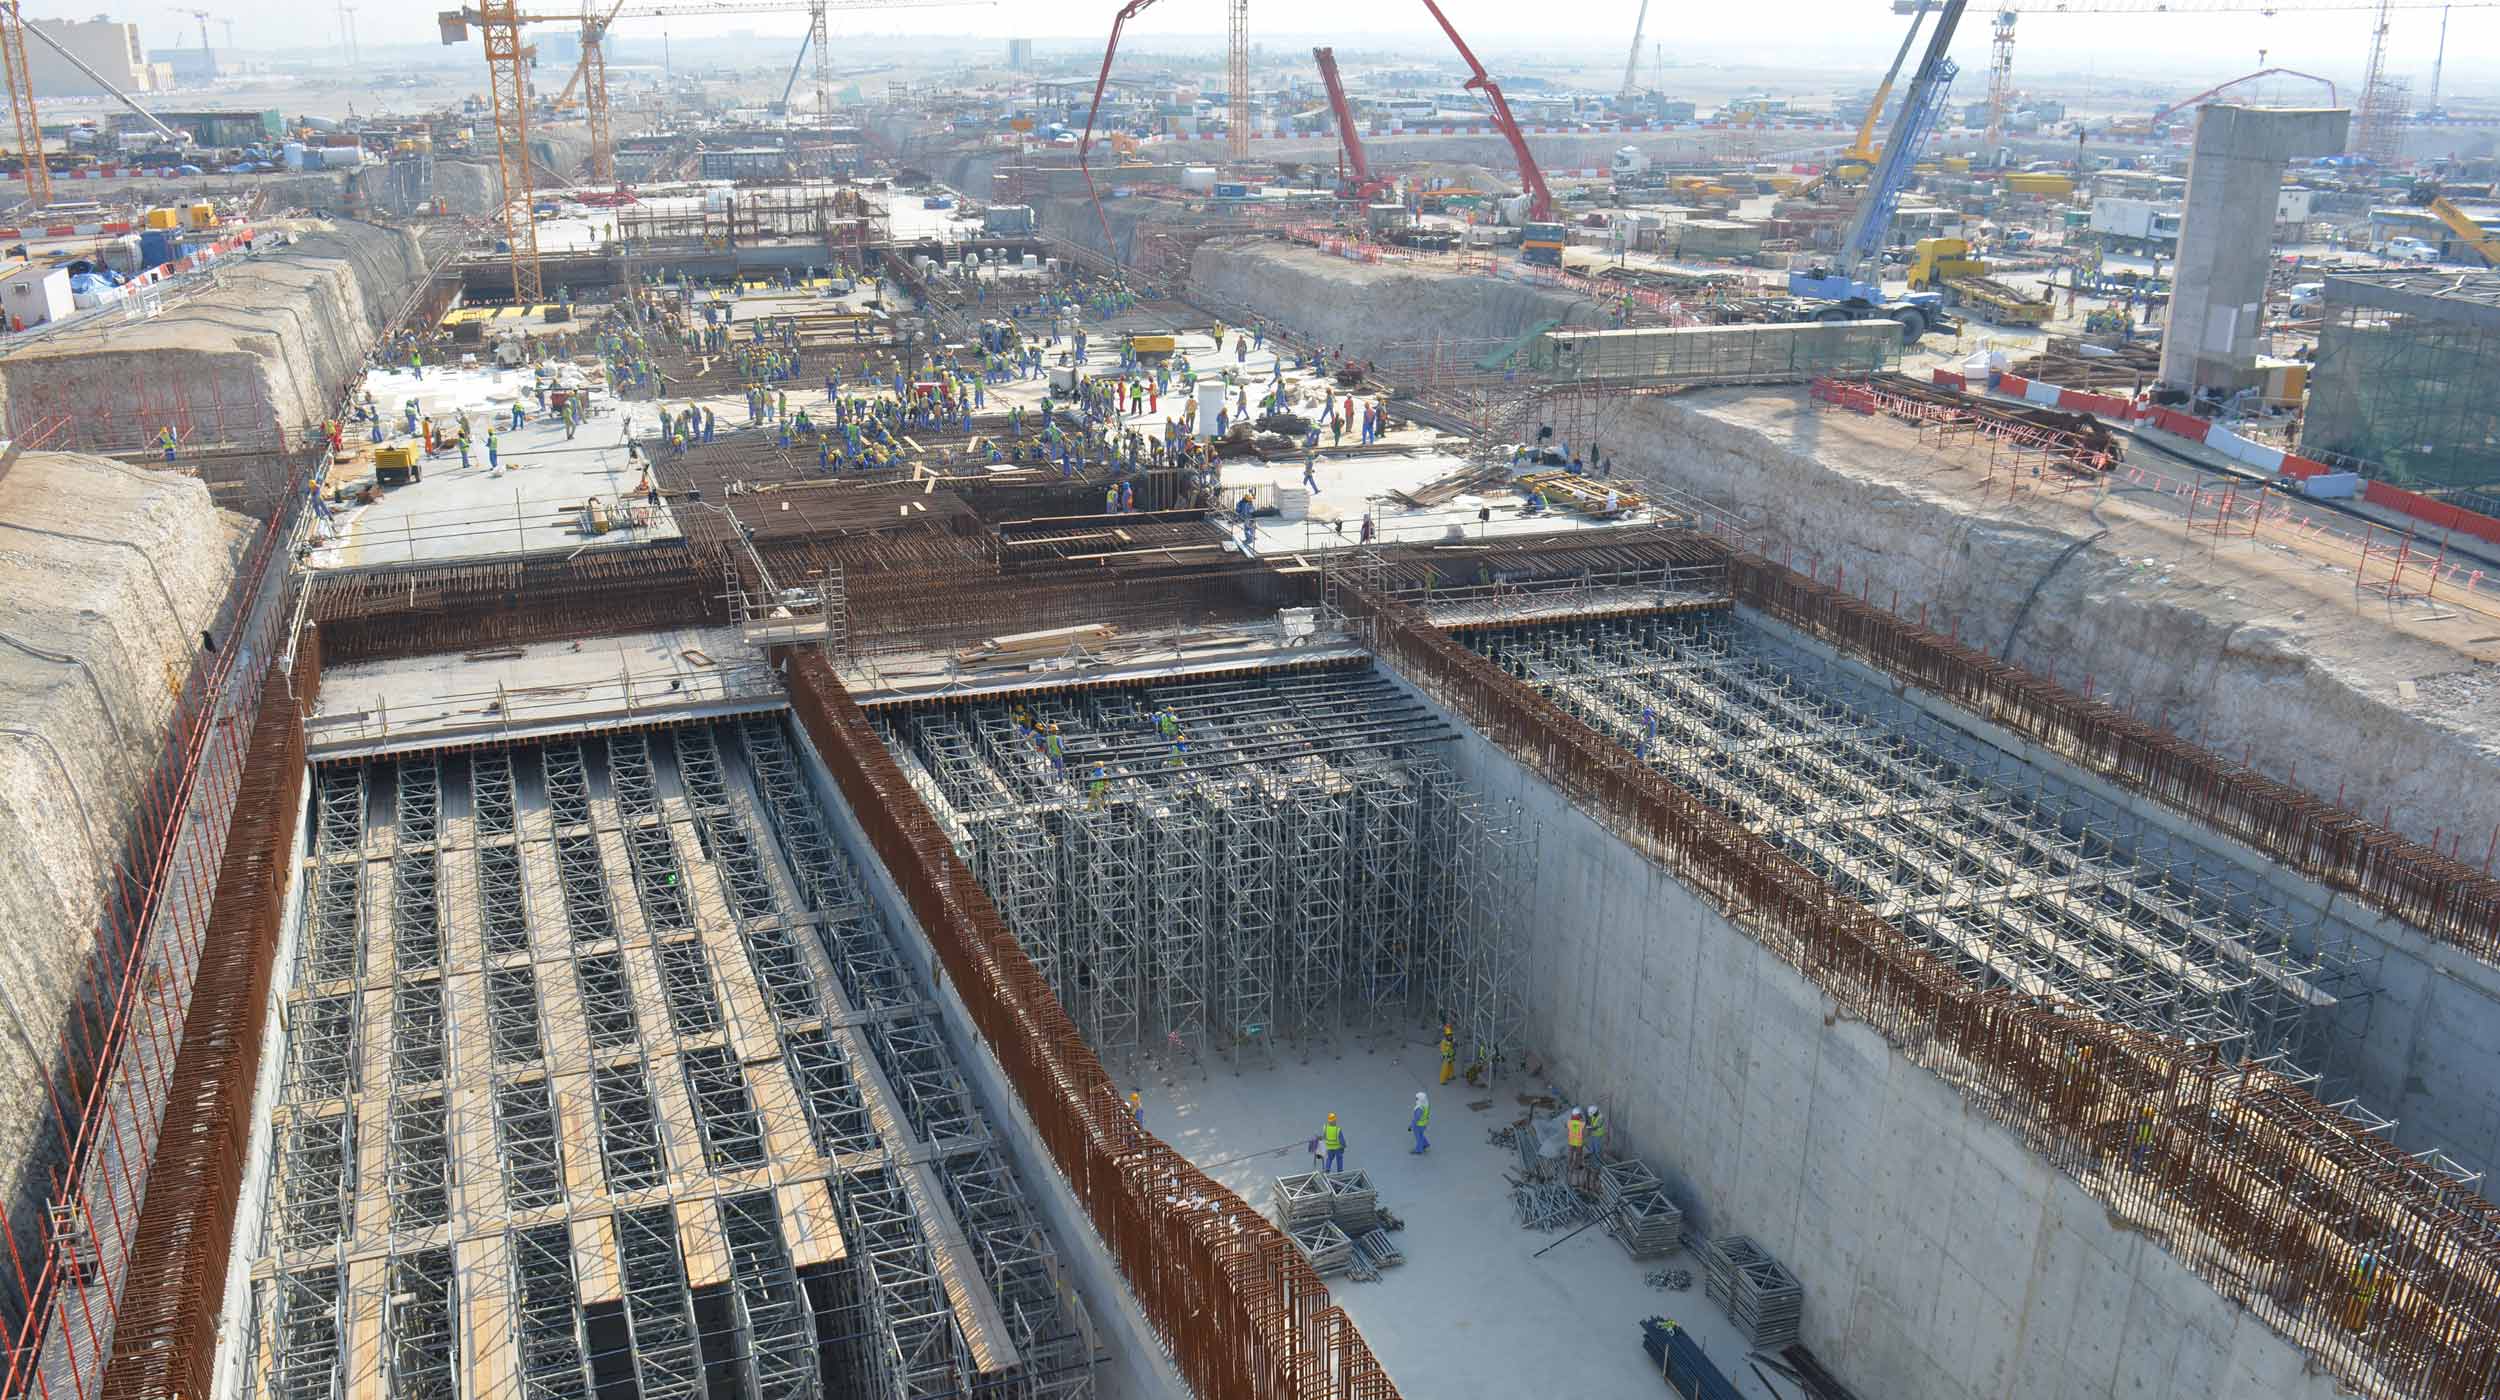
(1936, 259)
(2468, 232)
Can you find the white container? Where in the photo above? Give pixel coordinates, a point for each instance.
(1210, 403)
(35, 296)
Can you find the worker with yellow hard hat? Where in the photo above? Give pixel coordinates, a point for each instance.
(1332, 1137)
(1449, 1052)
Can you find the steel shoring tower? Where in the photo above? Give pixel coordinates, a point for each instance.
(1294, 858)
(2004, 872)
(636, 1069)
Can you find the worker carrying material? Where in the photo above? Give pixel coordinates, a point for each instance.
(1420, 1120)
(1332, 1137)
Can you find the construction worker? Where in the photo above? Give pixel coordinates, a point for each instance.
(1137, 1108)
(165, 440)
(1597, 1138)
(1420, 1120)
(1100, 789)
(2364, 1291)
(1332, 1137)
(1577, 1135)
(1449, 1051)
(2143, 1136)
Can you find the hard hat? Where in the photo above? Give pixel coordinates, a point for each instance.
(1332, 1118)
(1447, 1028)
(1592, 1108)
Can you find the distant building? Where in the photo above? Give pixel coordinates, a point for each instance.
(108, 46)
(1020, 54)
(2405, 365)
(745, 163)
(189, 67)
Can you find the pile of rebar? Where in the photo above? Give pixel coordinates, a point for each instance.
(1548, 1205)
(1759, 1295)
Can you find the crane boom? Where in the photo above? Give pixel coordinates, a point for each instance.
(171, 136)
(1632, 65)
(1863, 149)
(1920, 110)
(22, 104)
(1085, 143)
(2468, 232)
(1540, 199)
(1344, 110)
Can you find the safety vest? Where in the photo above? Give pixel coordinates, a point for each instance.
(1423, 1115)
(1597, 1127)
(1448, 1051)
(1577, 1129)
(1334, 1136)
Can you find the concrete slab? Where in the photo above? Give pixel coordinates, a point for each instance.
(543, 689)
(1472, 1311)
(529, 500)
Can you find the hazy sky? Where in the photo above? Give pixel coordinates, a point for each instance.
(1823, 34)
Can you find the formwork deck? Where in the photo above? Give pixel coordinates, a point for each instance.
(606, 1029)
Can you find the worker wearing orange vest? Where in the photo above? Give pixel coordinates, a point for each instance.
(1332, 1138)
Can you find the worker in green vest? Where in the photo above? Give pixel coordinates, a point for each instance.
(1421, 1120)
(1332, 1138)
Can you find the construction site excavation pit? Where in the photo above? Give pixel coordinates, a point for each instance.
(605, 1071)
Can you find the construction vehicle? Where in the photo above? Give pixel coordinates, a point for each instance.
(2485, 244)
(169, 137)
(1541, 239)
(1854, 163)
(1359, 182)
(1848, 294)
(1946, 265)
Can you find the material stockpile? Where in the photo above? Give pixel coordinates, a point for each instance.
(1539, 1196)
(1758, 1294)
(1335, 1219)
(1638, 1213)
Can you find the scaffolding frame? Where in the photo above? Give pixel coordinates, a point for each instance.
(2014, 877)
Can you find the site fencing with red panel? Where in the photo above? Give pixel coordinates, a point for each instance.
(2384, 1266)
(1241, 1312)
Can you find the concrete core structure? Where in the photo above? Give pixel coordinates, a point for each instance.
(2228, 225)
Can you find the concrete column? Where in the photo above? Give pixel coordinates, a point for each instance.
(2227, 232)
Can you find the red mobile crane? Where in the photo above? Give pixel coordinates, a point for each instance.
(1362, 186)
(1543, 239)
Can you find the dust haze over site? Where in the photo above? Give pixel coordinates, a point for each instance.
(1838, 43)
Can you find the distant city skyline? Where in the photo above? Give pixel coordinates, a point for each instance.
(1817, 37)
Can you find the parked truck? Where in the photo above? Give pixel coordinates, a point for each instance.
(2142, 226)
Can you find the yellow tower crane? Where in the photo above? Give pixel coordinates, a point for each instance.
(499, 23)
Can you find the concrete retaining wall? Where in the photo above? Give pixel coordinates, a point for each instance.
(1940, 1257)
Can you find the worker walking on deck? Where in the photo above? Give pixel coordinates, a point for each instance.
(1417, 1122)
(1449, 1052)
(1332, 1138)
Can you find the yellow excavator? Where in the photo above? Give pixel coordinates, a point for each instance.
(2485, 244)
(1859, 160)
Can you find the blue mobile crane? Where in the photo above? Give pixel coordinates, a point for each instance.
(1851, 288)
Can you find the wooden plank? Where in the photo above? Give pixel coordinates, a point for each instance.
(976, 1311)
(577, 1122)
(487, 1348)
(809, 1225)
(367, 1286)
(595, 1273)
(477, 1203)
(706, 1245)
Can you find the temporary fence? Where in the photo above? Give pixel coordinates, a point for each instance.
(2383, 1266)
(121, 1051)
(1232, 1299)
